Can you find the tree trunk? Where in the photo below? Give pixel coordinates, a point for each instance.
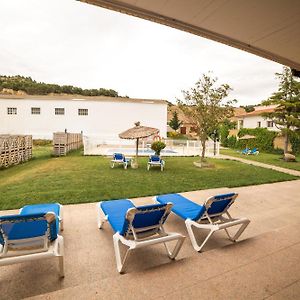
(203, 143)
(286, 143)
(137, 148)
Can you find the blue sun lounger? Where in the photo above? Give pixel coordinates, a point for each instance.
(213, 215)
(120, 159)
(254, 151)
(246, 151)
(155, 161)
(32, 234)
(137, 226)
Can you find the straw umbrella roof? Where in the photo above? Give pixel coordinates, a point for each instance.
(247, 137)
(138, 132)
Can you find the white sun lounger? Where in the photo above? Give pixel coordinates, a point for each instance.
(155, 161)
(213, 215)
(137, 227)
(31, 236)
(120, 159)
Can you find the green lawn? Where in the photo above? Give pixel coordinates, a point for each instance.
(271, 159)
(77, 178)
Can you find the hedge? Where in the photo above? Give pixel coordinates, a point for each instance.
(263, 139)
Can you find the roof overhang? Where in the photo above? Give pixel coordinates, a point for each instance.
(267, 28)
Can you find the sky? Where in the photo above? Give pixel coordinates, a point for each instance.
(74, 43)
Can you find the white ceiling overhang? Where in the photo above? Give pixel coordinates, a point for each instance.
(268, 28)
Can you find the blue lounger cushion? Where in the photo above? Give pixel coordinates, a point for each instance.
(147, 215)
(42, 208)
(220, 205)
(25, 226)
(182, 206)
(151, 218)
(116, 211)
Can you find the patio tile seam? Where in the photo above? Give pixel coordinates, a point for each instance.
(233, 269)
(273, 294)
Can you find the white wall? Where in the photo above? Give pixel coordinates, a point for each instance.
(252, 122)
(105, 118)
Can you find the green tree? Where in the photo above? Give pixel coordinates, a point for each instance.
(174, 122)
(206, 106)
(224, 129)
(286, 115)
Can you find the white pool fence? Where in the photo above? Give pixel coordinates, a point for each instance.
(97, 145)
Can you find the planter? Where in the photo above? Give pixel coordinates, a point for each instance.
(204, 164)
(134, 163)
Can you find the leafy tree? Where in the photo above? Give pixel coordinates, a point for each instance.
(249, 108)
(32, 87)
(286, 115)
(174, 122)
(224, 129)
(205, 105)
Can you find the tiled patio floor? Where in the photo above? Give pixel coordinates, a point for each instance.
(265, 263)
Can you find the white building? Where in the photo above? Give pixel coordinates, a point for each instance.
(255, 119)
(40, 116)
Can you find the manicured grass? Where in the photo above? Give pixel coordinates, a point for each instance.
(267, 158)
(77, 178)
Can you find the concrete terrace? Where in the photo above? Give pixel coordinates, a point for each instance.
(264, 264)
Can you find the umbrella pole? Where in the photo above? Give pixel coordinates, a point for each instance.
(137, 148)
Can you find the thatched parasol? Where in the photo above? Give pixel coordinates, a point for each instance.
(138, 132)
(247, 137)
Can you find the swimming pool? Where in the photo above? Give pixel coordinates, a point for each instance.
(132, 151)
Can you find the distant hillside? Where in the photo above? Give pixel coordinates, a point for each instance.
(31, 87)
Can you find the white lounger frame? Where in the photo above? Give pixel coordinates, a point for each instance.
(120, 162)
(22, 252)
(214, 223)
(156, 164)
(138, 239)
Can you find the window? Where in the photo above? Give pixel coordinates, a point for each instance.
(35, 110)
(259, 124)
(270, 124)
(59, 111)
(11, 110)
(83, 111)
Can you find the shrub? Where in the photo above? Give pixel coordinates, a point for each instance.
(40, 142)
(158, 146)
(295, 142)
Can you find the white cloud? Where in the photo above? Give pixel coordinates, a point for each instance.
(70, 42)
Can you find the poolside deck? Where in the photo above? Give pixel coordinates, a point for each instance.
(264, 264)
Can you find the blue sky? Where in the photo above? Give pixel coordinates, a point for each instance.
(69, 42)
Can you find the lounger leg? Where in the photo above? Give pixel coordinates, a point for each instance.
(100, 216)
(61, 224)
(121, 263)
(241, 229)
(174, 253)
(189, 225)
(61, 256)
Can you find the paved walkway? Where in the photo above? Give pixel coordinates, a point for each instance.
(264, 264)
(260, 164)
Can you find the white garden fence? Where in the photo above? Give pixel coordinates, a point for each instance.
(99, 145)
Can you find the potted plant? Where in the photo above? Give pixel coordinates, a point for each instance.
(158, 146)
